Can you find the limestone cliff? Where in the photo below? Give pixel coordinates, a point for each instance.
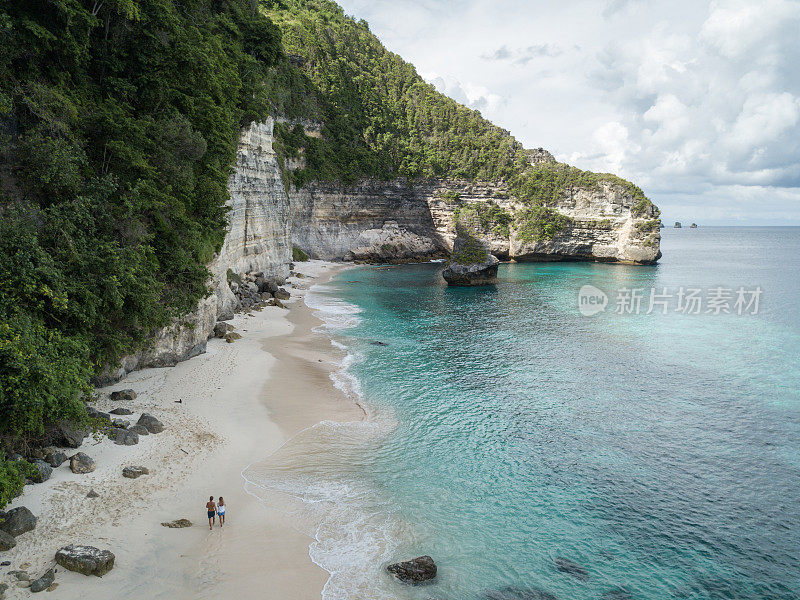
(399, 220)
(257, 240)
(383, 221)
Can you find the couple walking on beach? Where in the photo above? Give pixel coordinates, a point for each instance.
(216, 509)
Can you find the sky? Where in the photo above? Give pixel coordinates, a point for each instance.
(696, 101)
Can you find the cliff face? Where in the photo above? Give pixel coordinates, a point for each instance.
(370, 221)
(257, 240)
(380, 221)
(398, 220)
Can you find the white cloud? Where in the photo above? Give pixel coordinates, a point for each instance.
(474, 96)
(692, 98)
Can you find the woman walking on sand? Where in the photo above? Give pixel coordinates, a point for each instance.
(221, 511)
(212, 512)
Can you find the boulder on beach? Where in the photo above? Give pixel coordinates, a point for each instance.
(571, 568)
(281, 294)
(44, 582)
(415, 570)
(221, 328)
(177, 524)
(55, 458)
(42, 473)
(123, 395)
(7, 541)
(139, 429)
(149, 422)
(18, 521)
(86, 560)
(134, 472)
(125, 437)
(122, 411)
(97, 414)
(81, 463)
(70, 434)
(92, 494)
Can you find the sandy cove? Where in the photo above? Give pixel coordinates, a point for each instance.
(240, 402)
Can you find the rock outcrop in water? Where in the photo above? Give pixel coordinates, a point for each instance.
(415, 570)
(471, 262)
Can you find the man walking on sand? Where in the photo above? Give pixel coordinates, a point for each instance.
(212, 512)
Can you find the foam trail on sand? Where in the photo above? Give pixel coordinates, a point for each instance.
(316, 479)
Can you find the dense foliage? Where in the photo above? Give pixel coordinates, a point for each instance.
(381, 119)
(12, 477)
(118, 128)
(488, 217)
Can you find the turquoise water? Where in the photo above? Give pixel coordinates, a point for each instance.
(659, 452)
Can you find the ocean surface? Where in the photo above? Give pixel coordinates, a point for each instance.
(507, 430)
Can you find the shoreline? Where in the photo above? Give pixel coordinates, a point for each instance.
(240, 403)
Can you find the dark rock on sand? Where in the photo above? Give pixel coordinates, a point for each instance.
(43, 471)
(92, 494)
(134, 472)
(97, 414)
(281, 294)
(152, 424)
(55, 458)
(7, 541)
(70, 434)
(415, 570)
(572, 568)
(122, 411)
(81, 463)
(121, 423)
(177, 524)
(87, 560)
(516, 593)
(125, 437)
(139, 429)
(18, 521)
(44, 582)
(220, 329)
(123, 395)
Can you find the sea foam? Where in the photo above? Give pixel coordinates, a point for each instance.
(315, 478)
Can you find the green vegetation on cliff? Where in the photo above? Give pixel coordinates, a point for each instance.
(118, 128)
(488, 217)
(381, 119)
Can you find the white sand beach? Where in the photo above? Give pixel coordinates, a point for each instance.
(239, 403)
